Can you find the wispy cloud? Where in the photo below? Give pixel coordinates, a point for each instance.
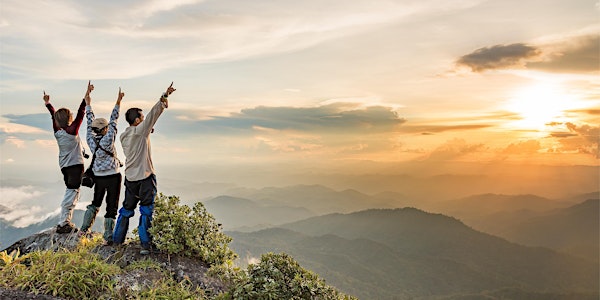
(126, 39)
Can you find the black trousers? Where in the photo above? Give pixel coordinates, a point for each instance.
(141, 191)
(110, 186)
(72, 176)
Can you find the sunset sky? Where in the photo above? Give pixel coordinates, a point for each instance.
(308, 82)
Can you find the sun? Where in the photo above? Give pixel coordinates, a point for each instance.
(540, 105)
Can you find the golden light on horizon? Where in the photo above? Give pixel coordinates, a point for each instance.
(541, 104)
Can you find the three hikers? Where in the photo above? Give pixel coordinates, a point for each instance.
(140, 178)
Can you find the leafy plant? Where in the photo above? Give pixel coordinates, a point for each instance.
(171, 289)
(177, 229)
(73, 275)
(279, 276)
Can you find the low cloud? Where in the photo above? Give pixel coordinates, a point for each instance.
(578, 138)
(42, 121)
(578, 54)
(15, 211)
(430, 130)
(498, 57)
(525, 147)
(331, 118)
(21, 128)
(453, 149)
(589, 137)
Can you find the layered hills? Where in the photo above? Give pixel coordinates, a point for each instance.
(408, 253)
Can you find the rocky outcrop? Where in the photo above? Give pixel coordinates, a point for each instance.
(177, 267)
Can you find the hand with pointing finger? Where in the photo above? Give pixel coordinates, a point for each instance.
(46, 98)
(120, 97)
(90, 88)
(166, 94)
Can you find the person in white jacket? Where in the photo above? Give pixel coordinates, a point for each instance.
(101, 135)
(70, 156)
(140, 180)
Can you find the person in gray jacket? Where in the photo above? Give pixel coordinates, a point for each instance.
(140, 180)
(101, 135)
(70, 157)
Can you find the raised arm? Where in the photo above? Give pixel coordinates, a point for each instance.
(51, 110)
(90, 118)
(74, 127)
(109, 138)
(156, 111)
(120, 97)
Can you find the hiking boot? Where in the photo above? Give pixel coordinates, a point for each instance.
(67, 228)
(109, 226)
(87, 234)
(89, 217)
(145, 250)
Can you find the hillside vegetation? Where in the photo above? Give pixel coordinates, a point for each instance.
(194, 262)
(408, 253)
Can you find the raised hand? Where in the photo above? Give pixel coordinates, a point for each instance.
(170, 89)
(90, 88)
(46, 98)
(120, 97)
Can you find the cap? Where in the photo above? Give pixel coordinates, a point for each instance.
(99, 123)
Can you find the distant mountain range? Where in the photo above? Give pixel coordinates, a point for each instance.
(247, 215)
(574, 230)
(534, 221)
(318, 199)
(410, 254)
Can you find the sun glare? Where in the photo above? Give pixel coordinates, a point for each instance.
(540, 105)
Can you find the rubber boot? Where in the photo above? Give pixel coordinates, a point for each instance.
(89, 217)
(122, 225)
(109, 226)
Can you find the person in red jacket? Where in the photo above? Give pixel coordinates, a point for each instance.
(70, 156)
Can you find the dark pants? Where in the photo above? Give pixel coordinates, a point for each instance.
(111, 186)
(142, 192)
(72, 176)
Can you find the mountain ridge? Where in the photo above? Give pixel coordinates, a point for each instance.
(428, 255)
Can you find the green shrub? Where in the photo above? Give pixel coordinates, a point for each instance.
(74, 274)
(171, 289)
(279, 276)
(177, 229)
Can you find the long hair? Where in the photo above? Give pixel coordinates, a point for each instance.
(63, 117)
